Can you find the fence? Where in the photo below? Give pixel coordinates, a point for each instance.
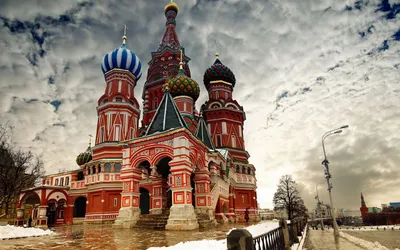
(281, 238)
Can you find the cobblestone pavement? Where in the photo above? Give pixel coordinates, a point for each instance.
(389, 239)
(324, 240)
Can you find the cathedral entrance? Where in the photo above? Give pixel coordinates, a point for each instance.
(80, 207)
(164, 172)
(30, 206)
(51, 212)
(144, 201)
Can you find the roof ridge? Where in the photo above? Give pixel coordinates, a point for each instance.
(203, 134)
(167, 116)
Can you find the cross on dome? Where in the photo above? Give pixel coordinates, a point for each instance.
(181, 59)
(90, 140)
(124, 36)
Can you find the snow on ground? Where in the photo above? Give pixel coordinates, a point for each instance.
(11, 232)
(261, 228)
(255, 230)
(363, 243)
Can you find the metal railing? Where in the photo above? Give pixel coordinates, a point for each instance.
(281, 238)
(271, 240)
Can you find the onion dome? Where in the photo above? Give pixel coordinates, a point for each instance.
(171, 6)
(84, 157)
(219, 72)
(122, 58)
(183, 85)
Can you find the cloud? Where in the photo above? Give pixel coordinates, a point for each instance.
(302, 68)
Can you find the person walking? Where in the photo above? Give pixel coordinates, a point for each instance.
(246, 215)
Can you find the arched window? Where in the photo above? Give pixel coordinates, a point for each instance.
(80, 176)
(107, 168)
(94, 170)
(67, 181)
(117, 168)
(132, 133)
(102, 135)
(243, 170)
(218, 142)
(237, 169)
(233, 141)
(99, 169)
(105, 101)
(62, 181)
(155, 103)
(248, 171)
(88, 171)
(56, 184)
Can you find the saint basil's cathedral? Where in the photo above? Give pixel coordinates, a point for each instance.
(184, 168)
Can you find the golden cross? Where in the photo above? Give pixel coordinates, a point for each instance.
(181, 61)
(125, 28)
(216, 45)
(90, 140)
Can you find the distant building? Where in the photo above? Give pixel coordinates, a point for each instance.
(388, 215)
(267, 214)
(374, 210)
(394, 204)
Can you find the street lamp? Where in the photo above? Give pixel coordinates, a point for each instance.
(328, 176)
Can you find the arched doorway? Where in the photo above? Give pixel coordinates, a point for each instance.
(144, 201)
(31, 211)
(80, 207)
(144, 167)
(51, 212)
(193, 185)
(163, 169)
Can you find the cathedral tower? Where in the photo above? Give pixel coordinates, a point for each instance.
(224, 116)
(363, 209)
(118, 110)
(164, 64)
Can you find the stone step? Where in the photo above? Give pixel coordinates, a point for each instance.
(153, 221)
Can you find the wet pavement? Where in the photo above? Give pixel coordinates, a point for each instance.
(103, 236)
(324, 240)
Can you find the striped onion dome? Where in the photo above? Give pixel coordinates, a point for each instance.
(84, 157)
(122, 58)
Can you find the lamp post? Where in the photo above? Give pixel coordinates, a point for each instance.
(328, 176)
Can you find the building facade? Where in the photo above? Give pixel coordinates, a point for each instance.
(175, 160)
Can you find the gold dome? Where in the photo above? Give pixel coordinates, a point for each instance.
(171, 6)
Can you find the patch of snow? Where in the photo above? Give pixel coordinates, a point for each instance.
(302, 238)
(255, 230)
(193, 245)
(12, 232)
(367, 244)
(262, 228)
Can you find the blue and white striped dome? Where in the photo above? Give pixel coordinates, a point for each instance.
(122, 58)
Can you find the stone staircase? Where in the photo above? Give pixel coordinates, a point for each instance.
(205, 221)
(153, 221)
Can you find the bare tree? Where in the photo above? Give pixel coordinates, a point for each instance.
(287, 198)
(18, 169)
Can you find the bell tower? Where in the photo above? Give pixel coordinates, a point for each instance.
(164, 64)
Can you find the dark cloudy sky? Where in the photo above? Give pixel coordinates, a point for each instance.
(303, 67)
